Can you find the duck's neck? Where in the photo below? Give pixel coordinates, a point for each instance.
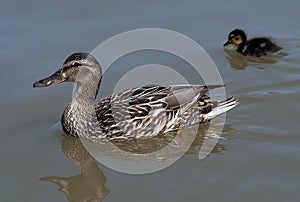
(86, 93)
(82, 111)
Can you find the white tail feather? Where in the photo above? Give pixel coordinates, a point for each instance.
(222, 107)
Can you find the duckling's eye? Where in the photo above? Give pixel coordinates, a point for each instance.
(237, 38)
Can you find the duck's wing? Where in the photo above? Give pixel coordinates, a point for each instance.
(146, 111)
(205, 110)
(183, 94)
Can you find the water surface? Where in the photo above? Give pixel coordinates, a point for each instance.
(258, 159)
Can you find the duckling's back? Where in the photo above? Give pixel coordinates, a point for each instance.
(261, 46)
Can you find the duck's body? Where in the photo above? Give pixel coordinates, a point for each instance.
(149, 111)
(255, 47)
(135, 113)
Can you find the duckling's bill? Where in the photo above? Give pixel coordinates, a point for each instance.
(227, 43)
(55, 78)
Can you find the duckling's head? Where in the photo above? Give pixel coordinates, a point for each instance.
(237, 38)
(79, 68)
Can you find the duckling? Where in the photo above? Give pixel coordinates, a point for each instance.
(255, 47)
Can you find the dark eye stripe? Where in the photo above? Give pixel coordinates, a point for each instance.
(69, 66)
(75, 64)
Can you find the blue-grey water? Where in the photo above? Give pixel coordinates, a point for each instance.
(258, 159)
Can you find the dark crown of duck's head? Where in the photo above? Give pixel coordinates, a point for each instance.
(78, 62)
(78, 67)
(236, 37)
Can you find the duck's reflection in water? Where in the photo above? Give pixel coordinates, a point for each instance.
(239, 61)
(90, 184)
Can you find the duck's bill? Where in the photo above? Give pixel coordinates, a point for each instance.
(51, 80)
(227, 43)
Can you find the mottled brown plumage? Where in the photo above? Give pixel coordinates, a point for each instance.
(134, 113)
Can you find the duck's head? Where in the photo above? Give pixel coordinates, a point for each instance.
(237, 37)
(78, 67)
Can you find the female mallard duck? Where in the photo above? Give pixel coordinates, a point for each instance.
(255, 47)
(135, 113)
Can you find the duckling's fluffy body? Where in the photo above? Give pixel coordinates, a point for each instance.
(258, 46)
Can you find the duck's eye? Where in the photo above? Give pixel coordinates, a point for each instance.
(237, 38)
(64, 75)
(75, 64)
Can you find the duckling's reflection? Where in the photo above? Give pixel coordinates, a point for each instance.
(239, 61)
(87, 186)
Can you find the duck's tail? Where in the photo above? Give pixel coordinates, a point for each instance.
(221, 108)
